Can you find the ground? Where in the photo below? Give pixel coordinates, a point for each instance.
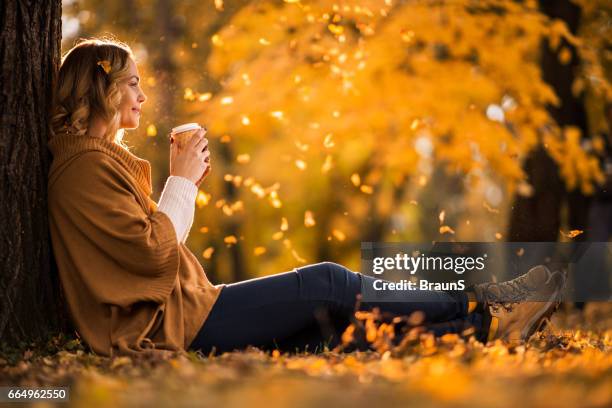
(567, 365)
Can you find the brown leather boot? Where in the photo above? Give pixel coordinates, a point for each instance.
(514, 310)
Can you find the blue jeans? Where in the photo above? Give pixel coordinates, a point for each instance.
(301, 309)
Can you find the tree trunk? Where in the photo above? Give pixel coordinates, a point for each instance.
(30, 305)
(538, 218)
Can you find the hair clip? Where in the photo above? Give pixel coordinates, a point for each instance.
(106, 65)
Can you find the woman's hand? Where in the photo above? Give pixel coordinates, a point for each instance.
(192, 161)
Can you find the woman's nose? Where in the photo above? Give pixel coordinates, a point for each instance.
(142, 98)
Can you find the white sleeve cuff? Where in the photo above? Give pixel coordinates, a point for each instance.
(177, 200)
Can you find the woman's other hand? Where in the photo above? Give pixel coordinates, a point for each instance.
(193, 160)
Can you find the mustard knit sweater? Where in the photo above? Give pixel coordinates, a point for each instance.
(131, 285)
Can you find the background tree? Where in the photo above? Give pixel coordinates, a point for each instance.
(360, 105)
(30, 306)
(332, 124)
(560, 67)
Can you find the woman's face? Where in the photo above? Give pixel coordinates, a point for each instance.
(132, 99)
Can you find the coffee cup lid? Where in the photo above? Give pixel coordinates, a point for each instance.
(185, 127)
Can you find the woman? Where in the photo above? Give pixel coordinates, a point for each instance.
(132, 285)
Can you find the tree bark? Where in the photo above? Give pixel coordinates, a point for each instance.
(538, 218)
(30, 304)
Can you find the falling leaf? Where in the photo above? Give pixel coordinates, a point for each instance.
(204, 230)
(227, 210)
(355, 179)
(366, 189)
(441, 216)
(445, 228)
(339, 235)
(524, 189)
(277, 235)
(230, 240)
(216, 40)
(302, 146)
(328, 143)
(258, 190)
(287, 243)
(327, 164)
(498, 235)
(284, 224)
(335, 29)
(245, 120)
(297, 256)
(243, 158)
(259, 251)
(300, 164)
(207, 253)
(277, 114)
(263, 41)
(205, 97)
(572, 233)
(565, 56)
(520, 252)
(225, 139)
(203, 199)
(489, 208)
(219, 5)
(309, 220)
(274, 200)
(188, 95)
(151, 130)
(227, 100)
(407, 36)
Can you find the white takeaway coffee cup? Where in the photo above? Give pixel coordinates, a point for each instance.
(182, 134)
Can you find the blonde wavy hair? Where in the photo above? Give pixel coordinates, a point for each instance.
(84, 89)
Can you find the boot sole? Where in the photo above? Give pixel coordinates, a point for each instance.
(538, 322)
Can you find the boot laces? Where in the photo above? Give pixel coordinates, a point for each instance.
(508, 295)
